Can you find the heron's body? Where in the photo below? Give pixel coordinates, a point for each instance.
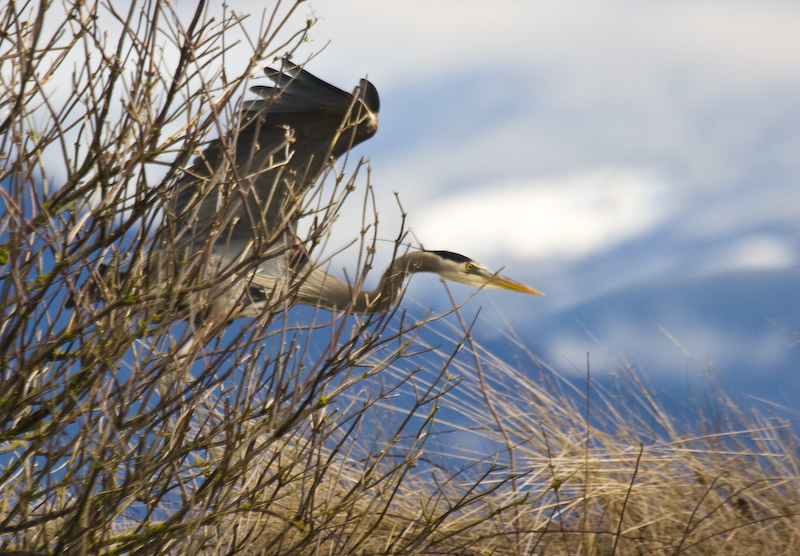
(235, 212)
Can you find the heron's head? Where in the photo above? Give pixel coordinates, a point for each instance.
(459, 268)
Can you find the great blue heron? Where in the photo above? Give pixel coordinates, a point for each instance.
(241, 199)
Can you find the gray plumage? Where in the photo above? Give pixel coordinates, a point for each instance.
(234, 216)
(247, 188)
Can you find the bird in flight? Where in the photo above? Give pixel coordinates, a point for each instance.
(239, 203)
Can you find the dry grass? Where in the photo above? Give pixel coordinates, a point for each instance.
(133, 426)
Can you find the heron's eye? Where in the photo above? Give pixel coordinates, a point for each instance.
(469, 267)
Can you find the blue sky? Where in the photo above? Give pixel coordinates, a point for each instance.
(592, 123)
(636, 161)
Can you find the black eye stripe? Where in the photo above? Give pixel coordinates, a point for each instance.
(455, 257)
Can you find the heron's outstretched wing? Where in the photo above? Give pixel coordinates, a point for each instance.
(249, 185)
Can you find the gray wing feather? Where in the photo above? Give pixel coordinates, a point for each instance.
(249, 185)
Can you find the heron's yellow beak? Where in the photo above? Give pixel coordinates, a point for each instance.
(501, 282)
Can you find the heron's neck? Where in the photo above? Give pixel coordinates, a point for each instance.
(328, 292)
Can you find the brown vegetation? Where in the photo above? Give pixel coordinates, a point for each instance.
(124, 430)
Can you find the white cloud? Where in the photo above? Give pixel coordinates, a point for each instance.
(689, 347)
(428, 39)
(563, 218)
(759, 252)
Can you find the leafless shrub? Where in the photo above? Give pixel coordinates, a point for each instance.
(125, 430)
